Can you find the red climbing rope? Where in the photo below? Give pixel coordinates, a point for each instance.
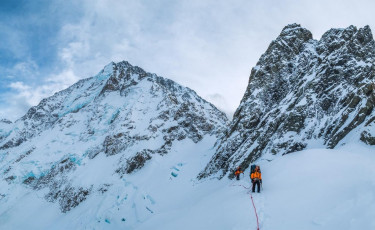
(240, 185)
(255, 210)
(252, 200)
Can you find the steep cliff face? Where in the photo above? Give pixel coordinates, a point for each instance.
(303, 93)
(124, 116)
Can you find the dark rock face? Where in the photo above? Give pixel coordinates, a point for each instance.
(368, 138)
(124, 115)
(5, 121)
(56, 180)
(69, 197)
(136, 162)
(302, 93)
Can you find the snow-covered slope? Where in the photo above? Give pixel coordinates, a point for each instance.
(158, 196)
(320, 189)
(302, 94)
(73, 145)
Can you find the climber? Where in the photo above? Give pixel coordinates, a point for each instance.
(256, 177)
(238, 172)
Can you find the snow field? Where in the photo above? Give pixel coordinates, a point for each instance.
(320, 189)
(312, 189)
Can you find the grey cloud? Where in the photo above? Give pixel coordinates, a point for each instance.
(209, 46)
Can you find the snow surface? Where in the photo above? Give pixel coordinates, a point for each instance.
(320, 189)
(311, 189)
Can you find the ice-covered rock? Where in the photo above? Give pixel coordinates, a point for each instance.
(303, 93)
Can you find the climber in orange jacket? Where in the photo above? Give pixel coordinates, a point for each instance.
(256, 178)
(238, 173)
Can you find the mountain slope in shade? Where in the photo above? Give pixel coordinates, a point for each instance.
(303, 93)
(124, 116)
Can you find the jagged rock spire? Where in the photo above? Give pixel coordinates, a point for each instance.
(303, 93)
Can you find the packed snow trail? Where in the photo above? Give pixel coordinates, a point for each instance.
(255, 210)
(252, 200)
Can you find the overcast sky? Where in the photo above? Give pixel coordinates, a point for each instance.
(209, 46)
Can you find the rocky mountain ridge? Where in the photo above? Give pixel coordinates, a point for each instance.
(303, 93)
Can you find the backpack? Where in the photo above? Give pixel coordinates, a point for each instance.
(252, 168)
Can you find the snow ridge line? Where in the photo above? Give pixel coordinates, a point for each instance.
(252, 200)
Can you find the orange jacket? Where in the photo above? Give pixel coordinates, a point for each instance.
(237, 172)
(255, 175)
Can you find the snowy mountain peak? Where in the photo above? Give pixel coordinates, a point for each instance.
(351, 33)
(297, 31)
(124, 116)
(357, 42)
(289, 42)
(123, 75)
(303, 93)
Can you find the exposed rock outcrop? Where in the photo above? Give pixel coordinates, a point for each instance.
(302, 93)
